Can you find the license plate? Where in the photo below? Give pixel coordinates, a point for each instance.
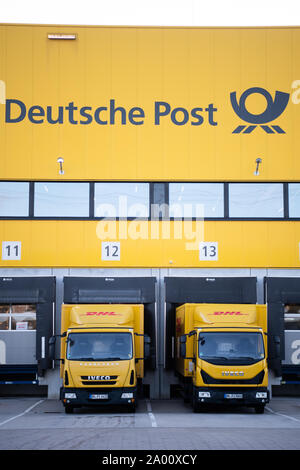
(99, 397)
(233, 395)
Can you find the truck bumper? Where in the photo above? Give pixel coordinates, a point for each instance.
(232, 396)
(98, 396)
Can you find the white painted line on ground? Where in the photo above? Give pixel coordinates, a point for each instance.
(151, 415)
(22, 414)
(280, 414)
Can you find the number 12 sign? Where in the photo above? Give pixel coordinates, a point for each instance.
(110, 251)
(11, 250)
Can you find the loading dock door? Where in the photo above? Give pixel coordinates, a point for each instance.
(26, 324)
(283, 297)
(180, 290)
(117, 290)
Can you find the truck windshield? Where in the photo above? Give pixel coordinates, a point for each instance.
(231, 348)
(99, 346)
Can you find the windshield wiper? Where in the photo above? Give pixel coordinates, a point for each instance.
(247, 357)
(96, 359)
(108, 359)
(81, 359)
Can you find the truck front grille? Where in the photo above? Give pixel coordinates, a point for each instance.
(207, 379)
(96, 380)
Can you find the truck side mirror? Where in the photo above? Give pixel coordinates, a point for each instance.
(182, 342)
(51, 343)
(277, 345)
(147, 342)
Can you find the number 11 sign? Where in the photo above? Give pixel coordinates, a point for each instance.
(11, 251)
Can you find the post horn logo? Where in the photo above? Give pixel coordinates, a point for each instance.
(273, 110)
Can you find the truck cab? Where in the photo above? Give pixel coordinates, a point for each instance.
(222, 354)
(102, 349)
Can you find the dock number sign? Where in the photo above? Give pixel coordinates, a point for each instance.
(110, 251)
(11, 251)
(208, 251)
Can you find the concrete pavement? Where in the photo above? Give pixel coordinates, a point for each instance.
(33, 423)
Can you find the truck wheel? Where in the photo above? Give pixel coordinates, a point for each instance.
(186, 394)
(131, 408)
(69, 409)
(195, 405)
(260, 409)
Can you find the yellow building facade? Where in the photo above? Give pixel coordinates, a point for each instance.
(147, 152)
(122, 104)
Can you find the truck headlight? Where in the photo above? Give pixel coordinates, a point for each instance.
(70, 395)
(204, 395)
(127, 395)
(261, 394)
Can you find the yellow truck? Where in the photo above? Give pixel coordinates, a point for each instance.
(221, 354)
(103, 348)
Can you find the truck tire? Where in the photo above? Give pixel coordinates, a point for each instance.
(186, 394)
(131, 408)
(195, 405)
(69, 409)
(259, 409)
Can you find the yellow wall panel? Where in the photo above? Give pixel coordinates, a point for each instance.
(187, 68)
(78, 244)
(282, 245)
(136, 67)
(43, 243)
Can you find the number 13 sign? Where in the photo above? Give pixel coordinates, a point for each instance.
(208, 251)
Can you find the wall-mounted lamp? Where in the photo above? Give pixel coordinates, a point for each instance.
(60, 161)
(64, 37)
(258, 162)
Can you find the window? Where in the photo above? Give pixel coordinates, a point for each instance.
(122, 200)
(196, 200)
(4, 317)
(18, 317)
(256, 200)
(237, 348)
(61, 200)
(14, 199)
(294, 200)
(159, 200)
(99, 346)
(292, 317)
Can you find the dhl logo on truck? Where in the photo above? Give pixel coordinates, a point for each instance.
(102, 314)
(227, 313)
